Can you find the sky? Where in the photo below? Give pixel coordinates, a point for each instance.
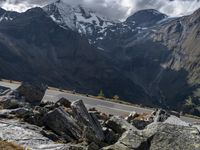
(116, 9)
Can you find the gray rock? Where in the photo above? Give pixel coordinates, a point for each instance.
(36, 116)
(176, 121)
(27, 135)
(110, 136)
(21, 112)
(33, 92)
(168, 137)
(63, 102)
(159, 136)
(159, 115)
(63, 124)
(92, 146)
(118, 125)
(131, 116)
(139, 124)
(87, 119)
(4, 91)
(130, 140)
(9, 102)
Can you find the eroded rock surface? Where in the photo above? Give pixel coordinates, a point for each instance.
(26, 135)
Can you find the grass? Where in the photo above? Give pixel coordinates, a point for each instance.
(4, 145)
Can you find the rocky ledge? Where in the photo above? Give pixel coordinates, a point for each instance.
(33, 124)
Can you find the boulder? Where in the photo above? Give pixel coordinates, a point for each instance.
(130, 140)
(131, 116)
(93, 146)
(118, 125)
(63, 102)
(168, 137)
(33, 93)
(110, 136)
(159, 136)
(4, 91)
(176, 121)
(159, 115)
(84, 118)
(10, 103)
(139, 124)
(62, 124)
(21, 112)
(27, 135)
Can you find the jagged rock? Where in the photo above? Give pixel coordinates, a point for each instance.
(5, 113)
(87, 119)
(48, 105)
(159, 136)
(27, 135)
(159, 115)
(93, 146)
(176, 121)
(140, 124)
(131, 116)
(21, 112)
(36, 116)
(110, 136)
(118, 124)
(10, 103)
(33, 92)
(63, 124)
(4, 91)
(130, 140)
(174, 113)
(52, 136)
(168, 137)
(63, 102)
(14, 113)
(138, 120)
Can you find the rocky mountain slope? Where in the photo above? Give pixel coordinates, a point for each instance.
(149, 58)
(33, 47)
(158, 53)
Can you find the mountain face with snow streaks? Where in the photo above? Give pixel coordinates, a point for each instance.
(148, 59)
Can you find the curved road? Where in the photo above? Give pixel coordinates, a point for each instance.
(101, 105)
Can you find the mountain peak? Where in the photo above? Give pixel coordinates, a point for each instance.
(195, 17)
(76, 17)
(147, 17)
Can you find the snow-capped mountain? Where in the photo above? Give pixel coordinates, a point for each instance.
(142, 59)
(99, 30)
(7, 15)
(77, 18)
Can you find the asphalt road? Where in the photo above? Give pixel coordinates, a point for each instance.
(102, 105)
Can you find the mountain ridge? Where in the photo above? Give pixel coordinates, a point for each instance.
(153, 63)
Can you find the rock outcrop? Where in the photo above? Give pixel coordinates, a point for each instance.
(87, 119)
(33, 93)
(159, 136)
(63, 124)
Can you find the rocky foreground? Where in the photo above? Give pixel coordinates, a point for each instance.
(27, 121)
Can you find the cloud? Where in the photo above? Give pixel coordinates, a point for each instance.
(117, 9)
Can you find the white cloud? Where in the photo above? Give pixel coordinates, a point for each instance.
(119, 9)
